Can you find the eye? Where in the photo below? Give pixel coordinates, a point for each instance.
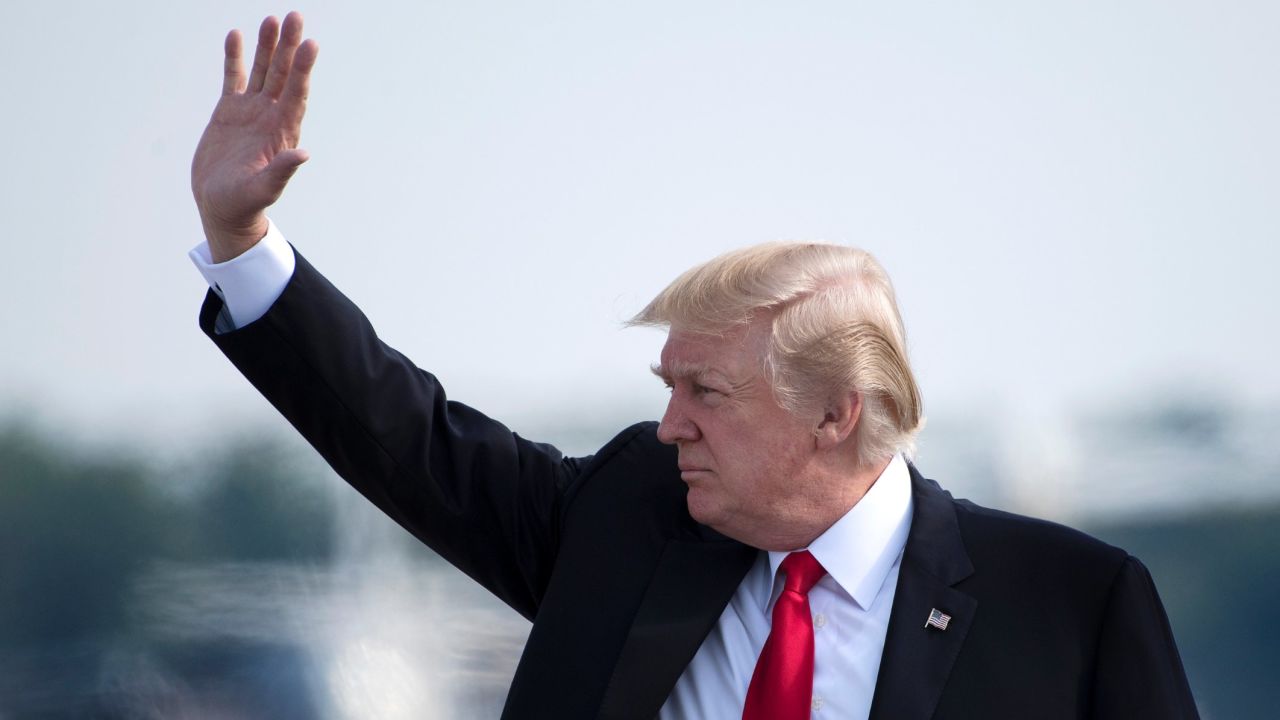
(704, 390)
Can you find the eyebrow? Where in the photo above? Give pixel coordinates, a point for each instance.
(667, 373)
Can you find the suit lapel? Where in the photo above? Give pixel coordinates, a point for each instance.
(692, 584)
(917, 659)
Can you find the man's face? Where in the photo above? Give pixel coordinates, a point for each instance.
(743, 456)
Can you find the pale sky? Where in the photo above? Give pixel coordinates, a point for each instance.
(1076, 200)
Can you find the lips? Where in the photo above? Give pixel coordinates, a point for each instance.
(691, 469)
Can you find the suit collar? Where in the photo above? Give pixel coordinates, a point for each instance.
(917, 659)
(935, 543)
(692, 584)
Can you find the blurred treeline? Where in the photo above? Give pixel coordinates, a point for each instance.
(76, 530)
(79, 529)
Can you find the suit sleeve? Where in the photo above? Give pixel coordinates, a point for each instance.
(485, 499)
(1138, 673)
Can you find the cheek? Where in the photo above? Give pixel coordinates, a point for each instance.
(752, 449)
(781, 455)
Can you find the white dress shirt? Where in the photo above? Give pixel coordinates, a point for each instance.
(861, 553)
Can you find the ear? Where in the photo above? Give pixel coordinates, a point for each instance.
(839, 420)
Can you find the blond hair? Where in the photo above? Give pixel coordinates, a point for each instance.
(835, 328)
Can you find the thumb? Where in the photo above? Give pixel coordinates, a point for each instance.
(281, 168)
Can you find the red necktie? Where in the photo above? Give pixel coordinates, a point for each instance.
(782, 685)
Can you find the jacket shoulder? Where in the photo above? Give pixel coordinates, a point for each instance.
(985, 527)
(1037, 553)
(633, 457)
(640, 439)
(1068, 606)
(1001, 523)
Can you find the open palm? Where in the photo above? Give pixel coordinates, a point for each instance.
(250, 148)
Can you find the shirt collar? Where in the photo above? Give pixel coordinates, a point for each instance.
(860, 548)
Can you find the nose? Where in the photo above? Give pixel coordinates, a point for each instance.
(676, 427)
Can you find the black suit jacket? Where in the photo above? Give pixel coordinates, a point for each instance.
(622, 585)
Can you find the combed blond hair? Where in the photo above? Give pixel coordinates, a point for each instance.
(835, 328)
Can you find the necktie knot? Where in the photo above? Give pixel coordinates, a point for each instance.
(803, 571)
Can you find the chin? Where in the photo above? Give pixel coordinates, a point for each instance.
(704, 509)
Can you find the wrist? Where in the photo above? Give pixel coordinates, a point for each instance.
(227, 242)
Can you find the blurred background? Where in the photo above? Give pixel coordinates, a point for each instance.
(1076, 201)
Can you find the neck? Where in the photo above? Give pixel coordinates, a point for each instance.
(834, 495)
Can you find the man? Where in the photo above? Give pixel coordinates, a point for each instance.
(764, 552)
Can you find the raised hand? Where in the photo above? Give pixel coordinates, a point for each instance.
(250, 148)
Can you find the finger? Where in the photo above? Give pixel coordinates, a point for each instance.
(293, 103)
(233, 65)
(262, 56)
(290, 37)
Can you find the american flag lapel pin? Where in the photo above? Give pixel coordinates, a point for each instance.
(937, 619)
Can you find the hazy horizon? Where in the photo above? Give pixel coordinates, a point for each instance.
(1076, 201)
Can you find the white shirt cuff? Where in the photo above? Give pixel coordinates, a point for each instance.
(249, 283)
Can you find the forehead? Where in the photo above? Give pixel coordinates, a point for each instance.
(737, 352)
